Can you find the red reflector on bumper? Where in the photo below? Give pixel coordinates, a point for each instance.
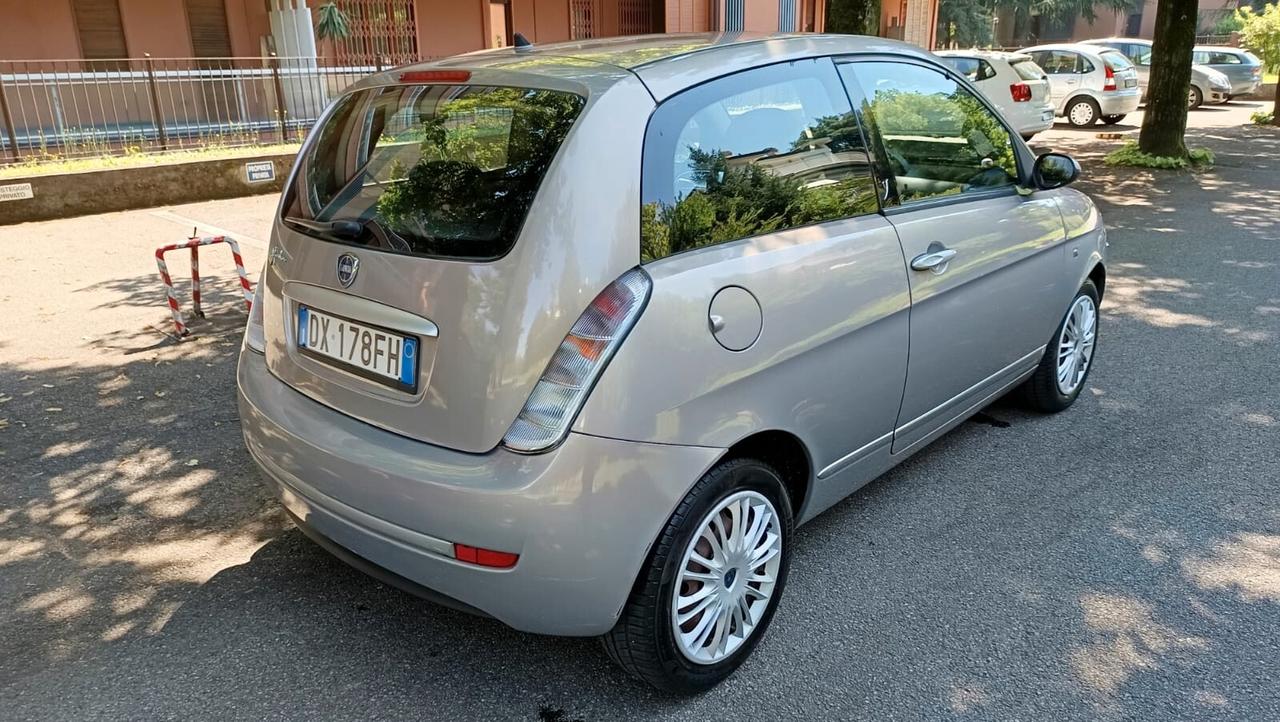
(484, 557)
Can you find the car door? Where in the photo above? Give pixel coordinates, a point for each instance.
(1062, 68)
(986, 257)
(772, 267)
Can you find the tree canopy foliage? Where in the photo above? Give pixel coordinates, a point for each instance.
(968, 23)
(1260, 33)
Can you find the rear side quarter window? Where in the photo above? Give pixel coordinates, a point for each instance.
(756, 152)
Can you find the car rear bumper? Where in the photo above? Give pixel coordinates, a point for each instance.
(1245, 87)
(581, 517)
(1121, 103)
(1034, 120)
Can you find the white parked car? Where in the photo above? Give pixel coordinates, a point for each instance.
(1012, 82)
(1088, 83)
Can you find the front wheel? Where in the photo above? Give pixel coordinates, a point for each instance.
(712, 582)
(1083, 112)
(1068, 358)
(1194, 98)
(1112, 119)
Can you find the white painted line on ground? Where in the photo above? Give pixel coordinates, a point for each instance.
(209, 230)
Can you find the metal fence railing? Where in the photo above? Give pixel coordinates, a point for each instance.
(78, 108)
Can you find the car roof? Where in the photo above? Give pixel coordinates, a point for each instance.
(667, 63)
(987, 54)
(1073, 47)
(1114, 39)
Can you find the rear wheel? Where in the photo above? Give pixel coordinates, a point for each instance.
(712, 581)
(1194, 98)
(1083, 112)
(1068, 358)
(1112, 119)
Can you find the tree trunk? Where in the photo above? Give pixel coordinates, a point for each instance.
(1165, 121)
(1275, 110)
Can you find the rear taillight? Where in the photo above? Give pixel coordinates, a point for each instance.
(1257, 70)
(1021, 92)
(255, 337)
(1110, 82)
(573, 370)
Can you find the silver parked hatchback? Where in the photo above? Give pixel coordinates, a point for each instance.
(574, 336)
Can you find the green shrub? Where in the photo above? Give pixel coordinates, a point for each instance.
(1130, 155)
(1262, 117)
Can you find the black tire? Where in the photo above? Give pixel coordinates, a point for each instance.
(1112, 119)
(1094, 111)
(1040, 392)
(642, 642)
(1195, 99)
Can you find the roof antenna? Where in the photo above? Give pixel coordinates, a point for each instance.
(522, 43)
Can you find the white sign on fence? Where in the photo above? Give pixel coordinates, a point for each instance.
(260, 171)
(16, 192)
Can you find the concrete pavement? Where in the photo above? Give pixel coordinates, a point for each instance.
(1117, 561)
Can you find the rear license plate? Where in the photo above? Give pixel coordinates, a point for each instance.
(374, 353)
(1130, 82)
(1047, 115)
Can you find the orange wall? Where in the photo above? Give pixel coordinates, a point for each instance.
(158, 27)
(247, 20)
(449, 27)
(761, 16)
(46, 29)
(37, 30)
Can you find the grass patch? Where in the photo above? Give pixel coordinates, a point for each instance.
(52, 165)
(1129, 155)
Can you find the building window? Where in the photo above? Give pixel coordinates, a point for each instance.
(210, 37)
(384, 30)
(100, 30)
(583, 19)
(786, 16)
(734, 15)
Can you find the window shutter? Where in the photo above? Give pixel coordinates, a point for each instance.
(207, 20)
(101, 32)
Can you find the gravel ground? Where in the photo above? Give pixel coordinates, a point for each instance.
(1118, 561)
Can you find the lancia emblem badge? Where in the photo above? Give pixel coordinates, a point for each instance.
(348, 265)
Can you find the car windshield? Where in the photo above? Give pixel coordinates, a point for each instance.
(430, 170)
(1027, 69)
(1116, 60)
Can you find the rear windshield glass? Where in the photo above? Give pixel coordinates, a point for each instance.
(430, 170)
(1116, 60)
(1027, 69)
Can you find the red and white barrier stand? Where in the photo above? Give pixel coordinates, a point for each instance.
(194, 244)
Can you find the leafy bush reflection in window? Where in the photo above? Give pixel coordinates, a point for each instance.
(824, 175)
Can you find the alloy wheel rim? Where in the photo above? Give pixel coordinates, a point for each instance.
(1075, 344)
(1191, 98)
(727, 577)
(1082, 114)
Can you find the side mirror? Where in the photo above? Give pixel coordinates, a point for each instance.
(1054, 170)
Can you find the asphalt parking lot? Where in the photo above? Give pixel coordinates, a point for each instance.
(1117, 561)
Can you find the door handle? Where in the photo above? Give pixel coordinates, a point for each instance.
(933, 260)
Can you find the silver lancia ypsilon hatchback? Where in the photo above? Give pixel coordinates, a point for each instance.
(575, 336)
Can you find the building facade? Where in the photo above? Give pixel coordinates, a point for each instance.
(396, 31)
